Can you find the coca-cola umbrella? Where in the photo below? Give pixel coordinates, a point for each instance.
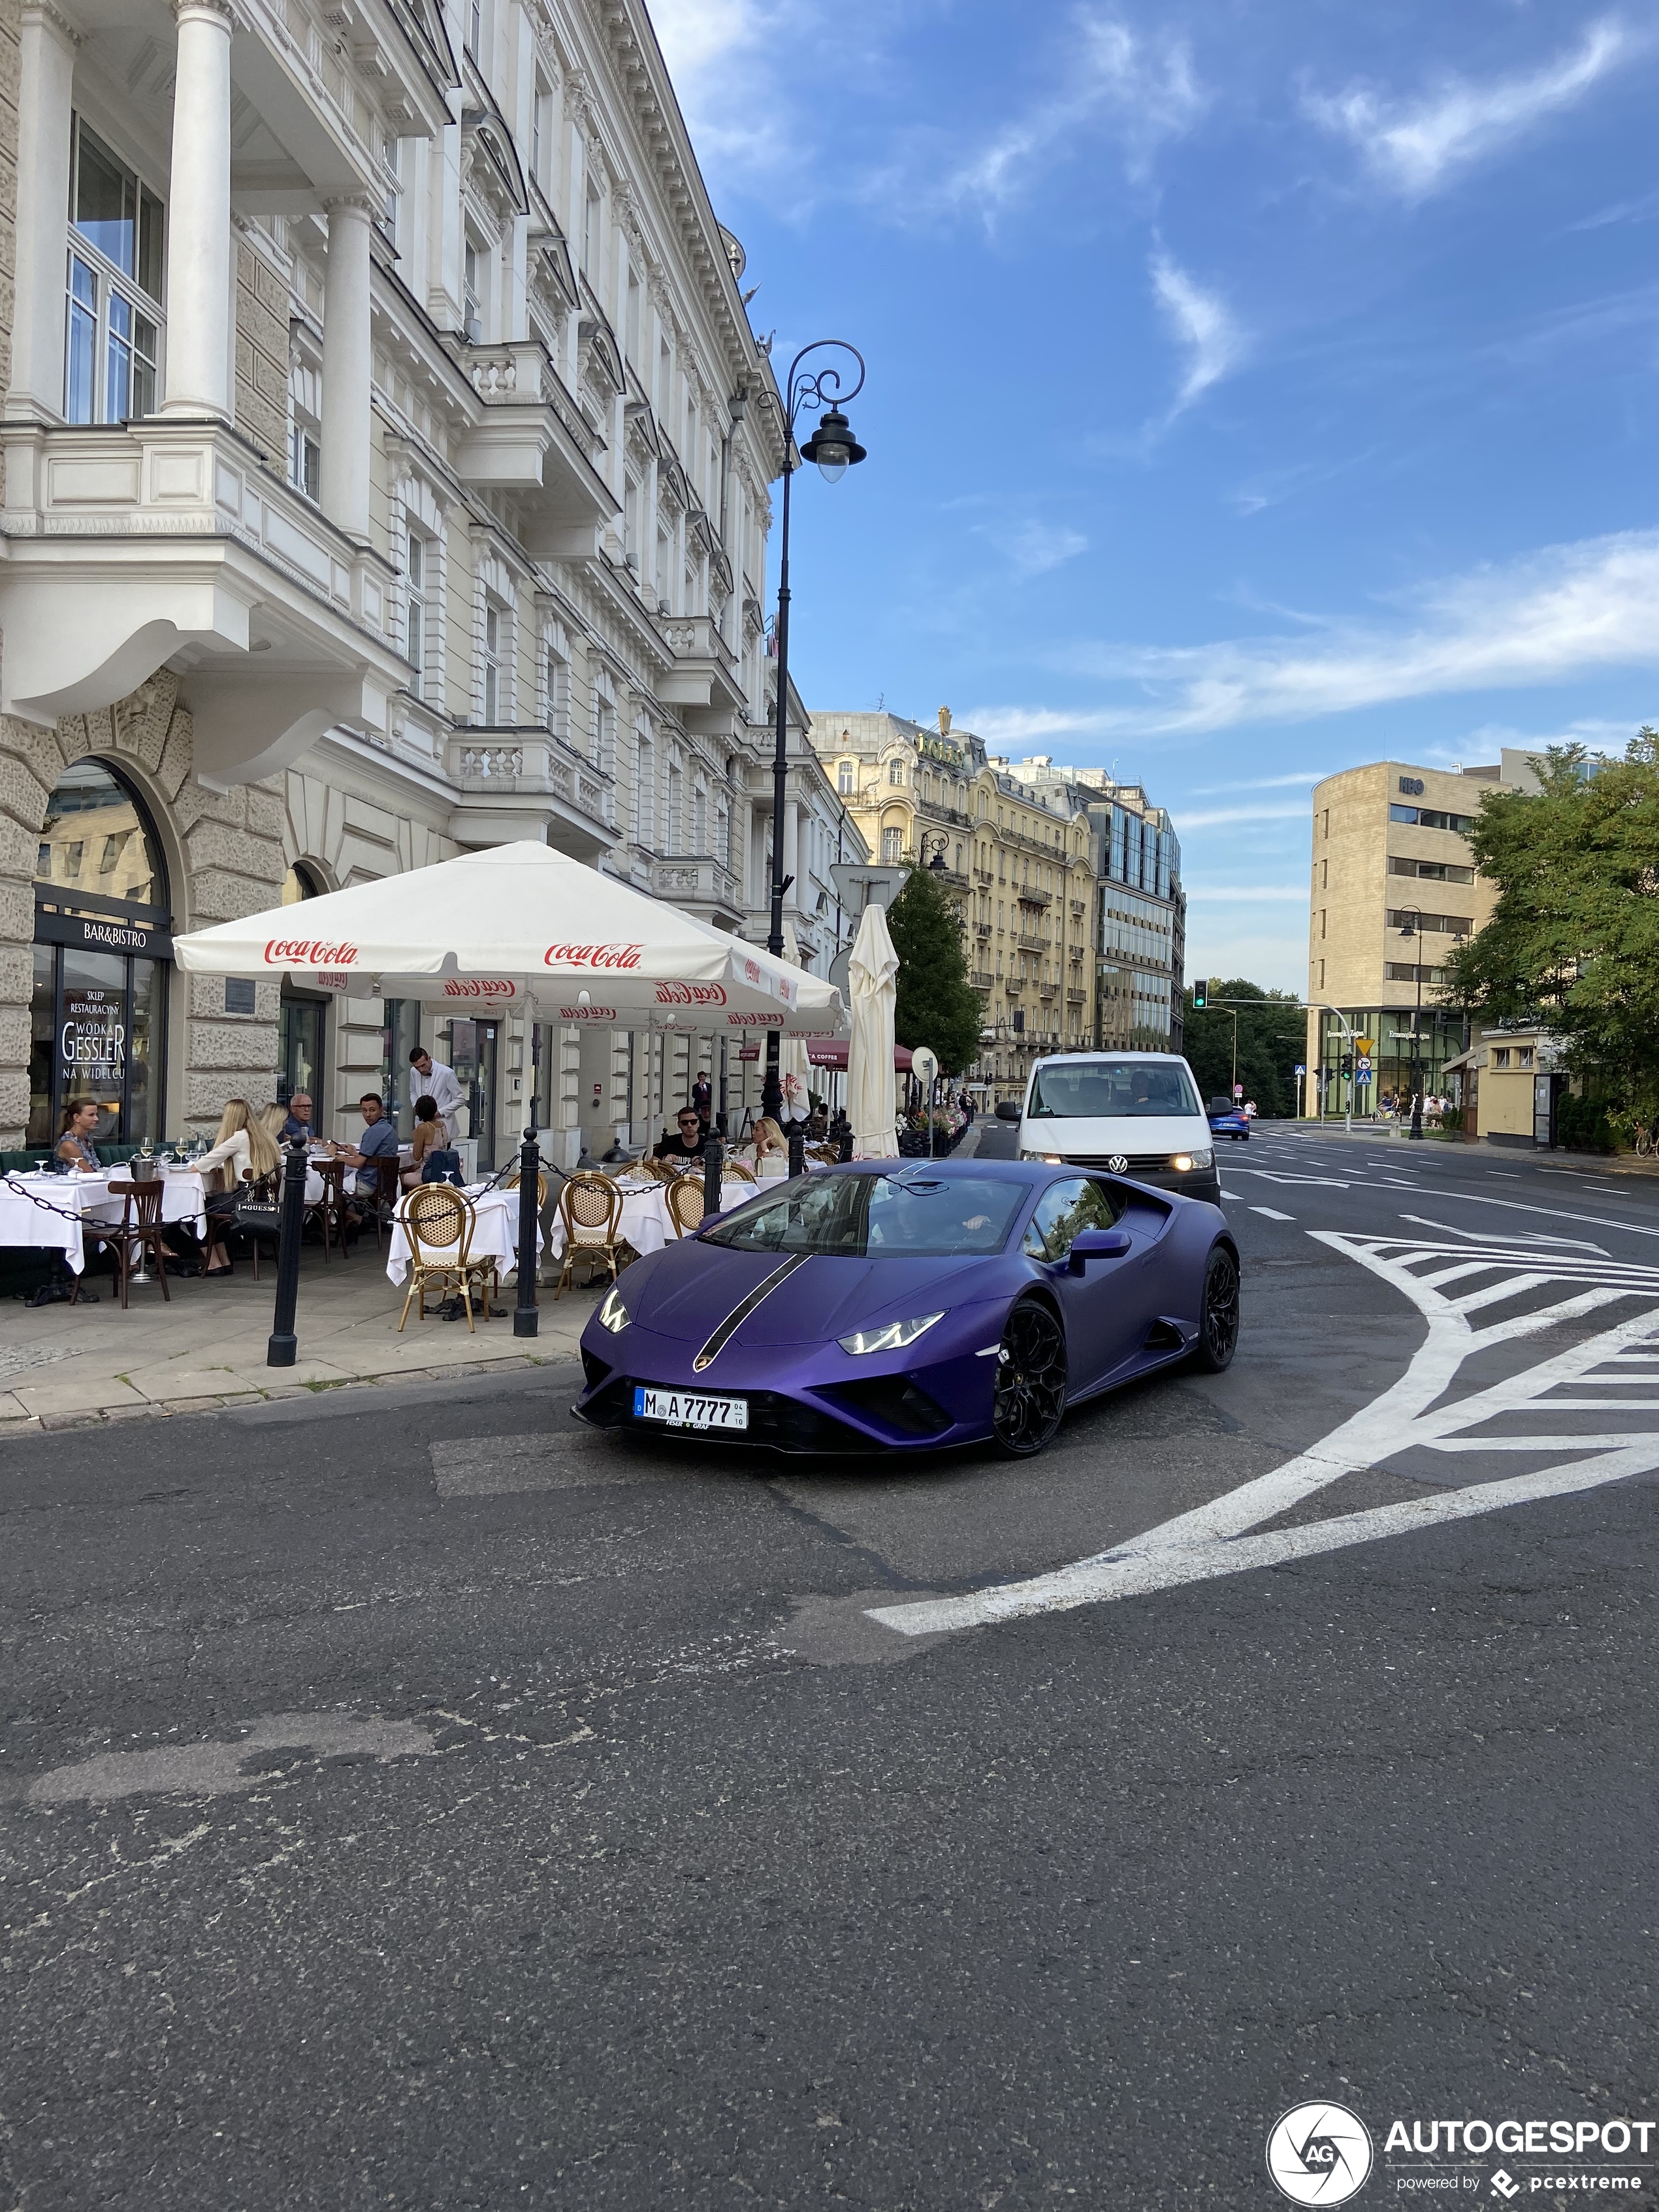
(519, 929)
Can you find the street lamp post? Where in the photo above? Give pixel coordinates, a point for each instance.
(836, 450)
(1411, 929)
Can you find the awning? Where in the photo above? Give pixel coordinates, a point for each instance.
(832, 1052)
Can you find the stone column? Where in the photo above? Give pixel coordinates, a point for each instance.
(45, 77)
(346, 367)
(198, 284)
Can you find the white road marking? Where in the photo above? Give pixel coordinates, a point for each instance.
(1412, 1414)
(1446, 1229)
(1273, 1213)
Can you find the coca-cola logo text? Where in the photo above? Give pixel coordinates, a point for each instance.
(459, 987)
(690, 994)
(592, 956)
(300, 953)
(587, 1013)
(754, 1021)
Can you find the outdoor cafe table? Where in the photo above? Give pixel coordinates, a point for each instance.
(494, 1232)
(85, 1199)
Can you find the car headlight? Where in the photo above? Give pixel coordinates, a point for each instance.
(893, 1337)
(1051, 1159)
(613, 1314)
(1184, 1163)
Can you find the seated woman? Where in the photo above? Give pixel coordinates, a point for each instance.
(74, 1147)
(430, 1135)
(239, 1145)
(770, 1144)
(270, 1119)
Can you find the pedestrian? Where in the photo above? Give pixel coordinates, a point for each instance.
(431, 1078)
(702, 1097)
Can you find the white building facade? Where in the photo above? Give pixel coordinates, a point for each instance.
(386, 460)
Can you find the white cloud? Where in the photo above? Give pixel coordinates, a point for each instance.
(1139, 88)
(1034, 548)
(1414, 146)
(1202, 323)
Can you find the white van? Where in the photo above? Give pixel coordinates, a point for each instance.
(1135, 1113)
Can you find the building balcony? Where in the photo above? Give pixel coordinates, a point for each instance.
(982, 931)
(169, 541)
(524, 782)
(528, 437)
(1077, 997)
(1013, 985)
(703, 886)
(981, 979)
(936, 812)
(1028, 895)
(1046, 991)
(983, 876)
(1029, 941)
(703, 680)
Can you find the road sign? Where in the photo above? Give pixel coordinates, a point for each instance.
(924, 1064)
(1239, 1090)
(1363, 1045)
(1300, 1069)
(1362, 1067)
(860, 886)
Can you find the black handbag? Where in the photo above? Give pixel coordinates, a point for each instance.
(442, 1164)
(257, 1209)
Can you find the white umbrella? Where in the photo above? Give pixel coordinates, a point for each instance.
(795, 1074)
(869, 1054)
(519, 928)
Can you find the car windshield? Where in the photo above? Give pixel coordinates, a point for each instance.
(1111, 1091)
(919, 1215)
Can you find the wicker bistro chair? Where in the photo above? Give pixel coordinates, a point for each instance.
(590, 1212)
(735, 1171)
(138, 1238)
(512, 1179)
(439, 1221)
(684, 1200)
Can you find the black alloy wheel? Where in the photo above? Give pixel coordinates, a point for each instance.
(1031, 1386)
(1217, 1321)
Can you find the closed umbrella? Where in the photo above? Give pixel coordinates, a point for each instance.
(794, 1073)
(870, 971)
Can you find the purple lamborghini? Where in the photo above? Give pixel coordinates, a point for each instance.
(912, 1305)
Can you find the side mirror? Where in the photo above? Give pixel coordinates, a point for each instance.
(1009, 1110)
(1098, 1245)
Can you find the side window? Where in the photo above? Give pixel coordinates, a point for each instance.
(1062, 1211)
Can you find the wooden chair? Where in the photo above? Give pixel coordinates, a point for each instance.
(382, 1200)
(684, 1197)
(590, 1212)
(140, 1232)
(439, 1221)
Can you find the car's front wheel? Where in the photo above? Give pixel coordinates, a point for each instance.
(1218, 1319)
(1030, 1402)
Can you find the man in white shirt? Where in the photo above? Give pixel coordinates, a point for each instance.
(431, 1078)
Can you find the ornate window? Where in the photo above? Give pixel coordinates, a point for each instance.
(112, 352)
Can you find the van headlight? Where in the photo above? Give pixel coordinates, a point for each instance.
(1184, 1163)
(1049, 1159)
(613, 1314)
(893, 1337)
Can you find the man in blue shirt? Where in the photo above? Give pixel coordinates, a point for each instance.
(298, 1123)
(378, 1141)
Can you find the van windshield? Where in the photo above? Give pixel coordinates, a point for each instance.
(1111, 1091)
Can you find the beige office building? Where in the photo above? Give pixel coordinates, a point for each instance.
(1391, 855)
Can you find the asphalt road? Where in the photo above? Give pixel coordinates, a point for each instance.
(412, 1799)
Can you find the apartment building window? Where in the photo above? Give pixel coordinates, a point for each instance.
(493, 670)
(391, 187)
(541, 134)
(892, 847)
(675, 806)
(1322, 921)
(590, 233)
(1433, 872)
(847, 779)
(556, 704)
(472, 292)
(112, 350)
(699, 817)
(1324, 830)
(1324, 875)
(896, 772)
(415, 580)
(645, 791)
(304, 429)
(1321, 975)
(475, 28)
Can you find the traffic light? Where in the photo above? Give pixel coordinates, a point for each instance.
(1200, 995)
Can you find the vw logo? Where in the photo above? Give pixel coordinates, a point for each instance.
(1319, 2154)
(1117, 1164)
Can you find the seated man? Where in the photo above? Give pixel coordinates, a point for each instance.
(378, 1141)
(691, 1141)
(298, 1123)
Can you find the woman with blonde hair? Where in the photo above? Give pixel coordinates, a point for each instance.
(241, 1146)
(270, 1119)
(770, 1144)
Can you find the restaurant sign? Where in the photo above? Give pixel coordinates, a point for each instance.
(92, 1041)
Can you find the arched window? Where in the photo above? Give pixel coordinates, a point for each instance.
(103, 949)
(300, 884)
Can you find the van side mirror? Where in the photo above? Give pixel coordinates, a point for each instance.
(1098, 1245)
(1009, 1110)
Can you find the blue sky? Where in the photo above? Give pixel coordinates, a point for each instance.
(1254, 390)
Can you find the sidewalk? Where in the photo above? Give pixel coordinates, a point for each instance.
(64, 1366)
(1624, 1163)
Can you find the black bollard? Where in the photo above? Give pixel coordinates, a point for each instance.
(713, 1163)
(283, 1348)
(845, 1146)
(526, 1320)
(797, 1150)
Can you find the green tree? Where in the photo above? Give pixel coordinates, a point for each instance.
(1271, 1032)
(937, 1004)
(1574, 937)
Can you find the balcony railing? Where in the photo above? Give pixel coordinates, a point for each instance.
(981, 979)
(1028, 895)
(696, 879)
(1029, 941)
(520, 767)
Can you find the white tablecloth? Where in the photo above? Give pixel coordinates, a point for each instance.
(495, 1234)
(645, 1222)
(83, 1199)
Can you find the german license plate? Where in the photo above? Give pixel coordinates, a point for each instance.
(689, 1409)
